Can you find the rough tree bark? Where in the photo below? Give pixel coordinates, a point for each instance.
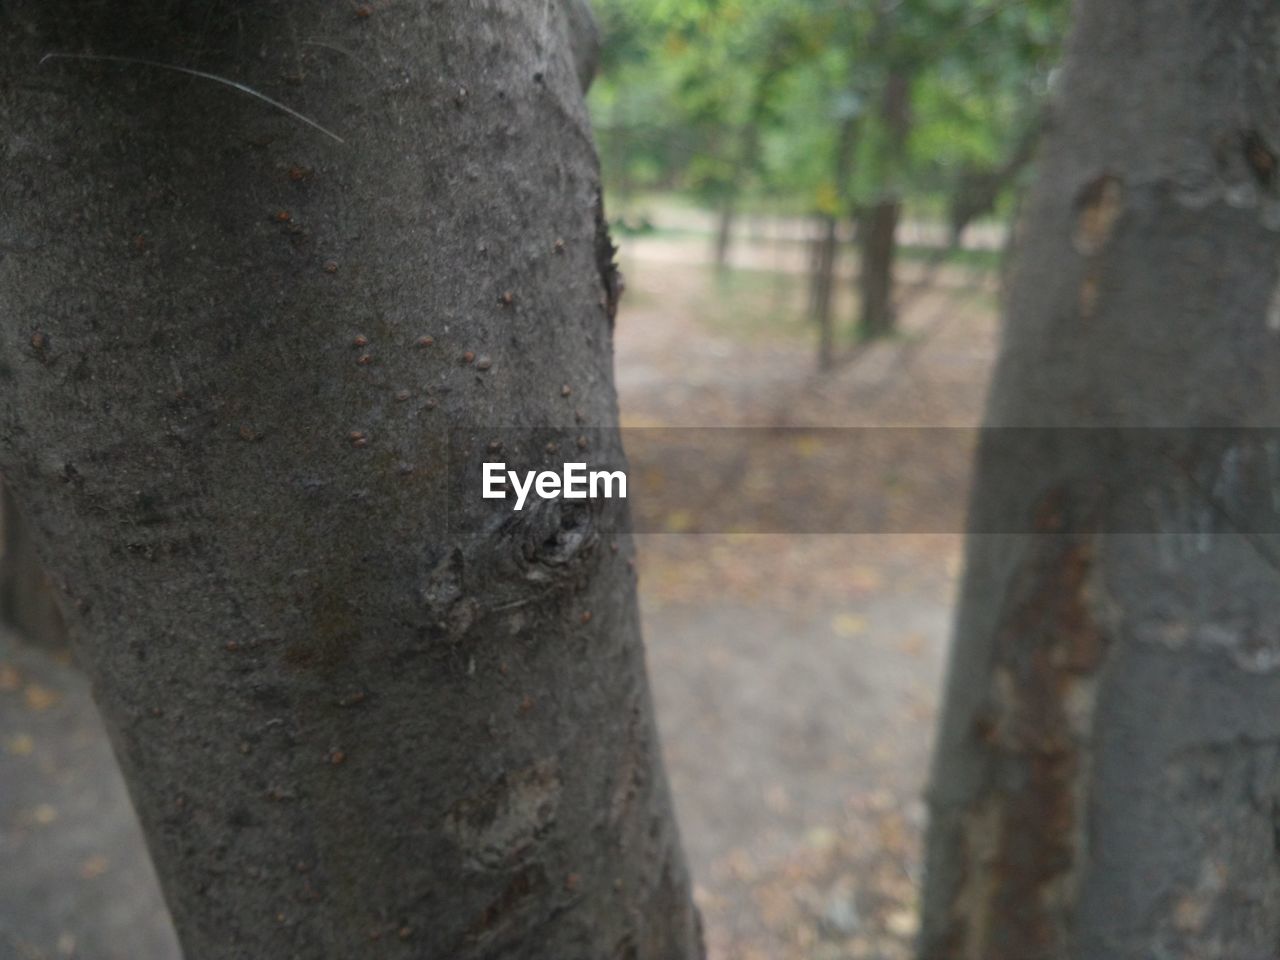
(879, 228)
(1107, 776)
(233, 349)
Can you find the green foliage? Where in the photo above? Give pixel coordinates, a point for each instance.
(747, 98)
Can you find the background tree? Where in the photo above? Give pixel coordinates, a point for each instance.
(826, 246)
(826, 109)
(956, 84)
(719, 62)
(244, 365)
(1105, 783)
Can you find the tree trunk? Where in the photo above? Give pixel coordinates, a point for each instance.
(724, 229)
(879, 229)
(821, 288)
(1106, 782)
(744, 161)
(352, 705)
(828, 246)
(977, 191)
(879, 247)
(27, 600)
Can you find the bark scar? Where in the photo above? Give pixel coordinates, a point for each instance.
(1025, 834)
(1098, 208)
(1259, 156)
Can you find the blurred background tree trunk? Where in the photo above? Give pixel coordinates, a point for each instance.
(726, 217)
(978, 190)
(1106, 780)
(743, 163)
(828, 241)
(879, 228)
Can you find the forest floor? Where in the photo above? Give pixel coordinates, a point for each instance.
(796, 675)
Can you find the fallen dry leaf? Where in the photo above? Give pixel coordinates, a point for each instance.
(94, 867)
(848, 625)
(44, 814)
(41, 698)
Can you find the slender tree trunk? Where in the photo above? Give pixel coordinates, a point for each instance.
(725, 219)
(27, 600)
(880, 226)
(782, 281)
(978, 191)
(358, 716)
(828, 244)
(815, 256)
(744, 162)
(821, 288)
(879, 249)
(1106, 784)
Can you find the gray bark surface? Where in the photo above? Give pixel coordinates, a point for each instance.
(351, 725)
(1106, 783)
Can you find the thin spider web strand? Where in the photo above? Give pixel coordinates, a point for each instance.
(235, 85)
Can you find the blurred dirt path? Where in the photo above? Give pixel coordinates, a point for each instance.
(75, 881)
(796, 677)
